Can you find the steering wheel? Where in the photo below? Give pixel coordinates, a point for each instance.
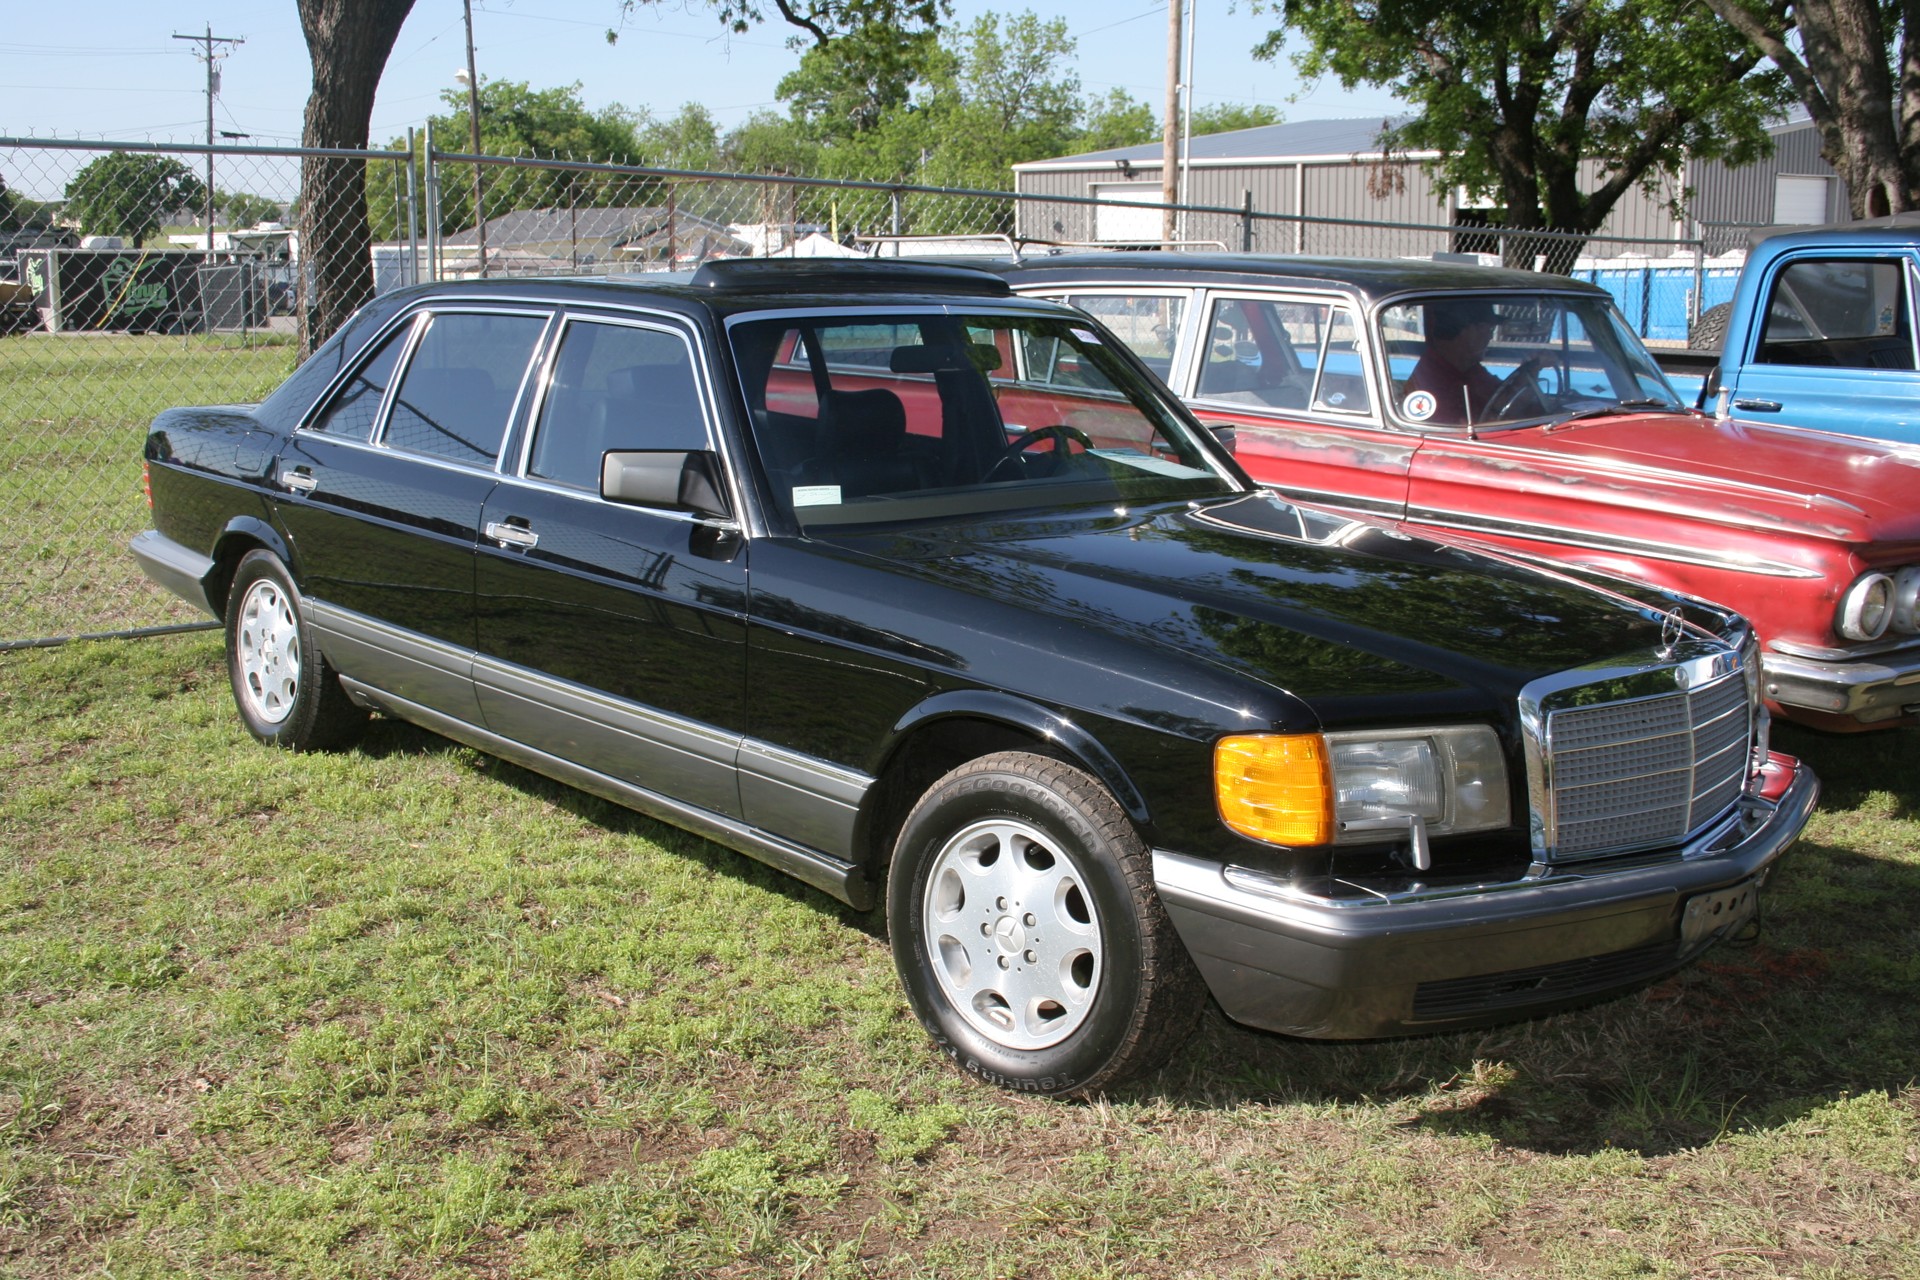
(1513, 389)
(1059, 432)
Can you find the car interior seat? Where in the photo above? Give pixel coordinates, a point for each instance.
(859, 443)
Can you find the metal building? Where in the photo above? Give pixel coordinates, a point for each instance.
(1335, 171)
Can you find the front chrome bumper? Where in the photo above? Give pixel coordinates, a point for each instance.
(1354, 968)
(1885, 687)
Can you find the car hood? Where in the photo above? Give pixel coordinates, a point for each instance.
(1757, 475)
(1332, 611)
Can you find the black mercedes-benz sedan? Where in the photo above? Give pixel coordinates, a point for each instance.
(932, 597)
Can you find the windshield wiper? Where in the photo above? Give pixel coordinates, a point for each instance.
(1618, 406)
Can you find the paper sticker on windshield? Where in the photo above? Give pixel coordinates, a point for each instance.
(816, 495)
(1419, 406)
(1087, 336)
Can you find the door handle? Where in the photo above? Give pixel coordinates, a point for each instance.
(508, 533)
(1758, 406)
(299, 479)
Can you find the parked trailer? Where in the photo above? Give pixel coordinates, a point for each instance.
(143, 290)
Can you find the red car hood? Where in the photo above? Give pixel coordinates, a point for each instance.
(1754, 474)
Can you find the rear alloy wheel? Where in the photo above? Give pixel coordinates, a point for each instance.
(286, 695)
(1027, 932)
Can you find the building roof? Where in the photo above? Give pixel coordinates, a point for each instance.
(546, 226)
(1304, 140)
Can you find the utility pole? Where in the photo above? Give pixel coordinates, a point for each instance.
(212, 60)
(473, 117)
(1170, 132)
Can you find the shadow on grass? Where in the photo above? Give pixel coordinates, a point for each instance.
(1856, 766)
(1819, 1007)
(1753, 1036)
(386, 738)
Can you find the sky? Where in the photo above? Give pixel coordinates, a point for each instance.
(118, 74)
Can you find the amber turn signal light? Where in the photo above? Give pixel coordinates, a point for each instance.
(1275, 787)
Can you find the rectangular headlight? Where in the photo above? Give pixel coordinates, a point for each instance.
(1452, 780)
(1364, 787)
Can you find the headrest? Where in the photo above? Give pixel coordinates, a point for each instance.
(864, 421)
(982, 356)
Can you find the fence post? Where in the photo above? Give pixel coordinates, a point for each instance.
(1246, 221)
(412, 274)
(433, 208)
(893, 202)
(1699, 285)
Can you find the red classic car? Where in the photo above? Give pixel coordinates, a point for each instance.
(1518, 410)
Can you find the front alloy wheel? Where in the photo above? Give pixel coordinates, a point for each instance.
(1027, 932)
(1012, 934)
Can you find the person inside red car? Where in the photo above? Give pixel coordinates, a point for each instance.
(1449, 386)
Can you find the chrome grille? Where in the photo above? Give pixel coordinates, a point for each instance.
(1646, 771)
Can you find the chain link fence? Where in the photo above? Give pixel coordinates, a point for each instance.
(192, 286)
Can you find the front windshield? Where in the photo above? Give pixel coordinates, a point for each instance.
(860, 419)
(1479, 360)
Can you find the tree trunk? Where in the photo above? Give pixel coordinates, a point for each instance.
(348, 42)
(1849, 90)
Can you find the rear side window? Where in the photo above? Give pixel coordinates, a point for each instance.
(351, 415)
(1851, 313)
(458, 389)
(1148, 323)
(615, 387)
(1250, 355)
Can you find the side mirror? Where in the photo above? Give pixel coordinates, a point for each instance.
(1709, 388)
(675, 479)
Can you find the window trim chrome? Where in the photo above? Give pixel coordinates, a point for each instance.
(546, 314)
(651, 322)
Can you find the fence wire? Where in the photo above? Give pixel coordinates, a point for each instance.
(153, 310)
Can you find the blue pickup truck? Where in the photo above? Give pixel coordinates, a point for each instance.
(1820, 332)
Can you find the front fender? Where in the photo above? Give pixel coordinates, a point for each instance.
(1003, 708)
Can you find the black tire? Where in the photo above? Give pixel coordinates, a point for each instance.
(1024, 870)
(1710, 330)
(286, 694)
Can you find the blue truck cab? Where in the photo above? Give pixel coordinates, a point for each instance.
(1820, 332)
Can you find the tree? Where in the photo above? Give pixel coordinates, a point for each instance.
(1117, 120)
(9, 212)
(348, 43)
(128, 195)
(519, 120)
(1840, 57)
(689, 140)
(1515, 94)
(1225, 117)
(238, 209)
(768, 143)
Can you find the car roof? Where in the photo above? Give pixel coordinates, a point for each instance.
(730, 286)
(1900, 230)
(1366, 279)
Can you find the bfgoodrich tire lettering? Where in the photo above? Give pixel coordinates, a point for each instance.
(286, 695)
(1027, 933)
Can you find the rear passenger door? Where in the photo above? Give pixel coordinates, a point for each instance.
(610, 635)
(383, 487)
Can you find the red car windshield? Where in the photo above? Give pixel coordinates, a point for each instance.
(1482, 360)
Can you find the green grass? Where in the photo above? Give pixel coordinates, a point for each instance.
(406, 1011)
(74, 409)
